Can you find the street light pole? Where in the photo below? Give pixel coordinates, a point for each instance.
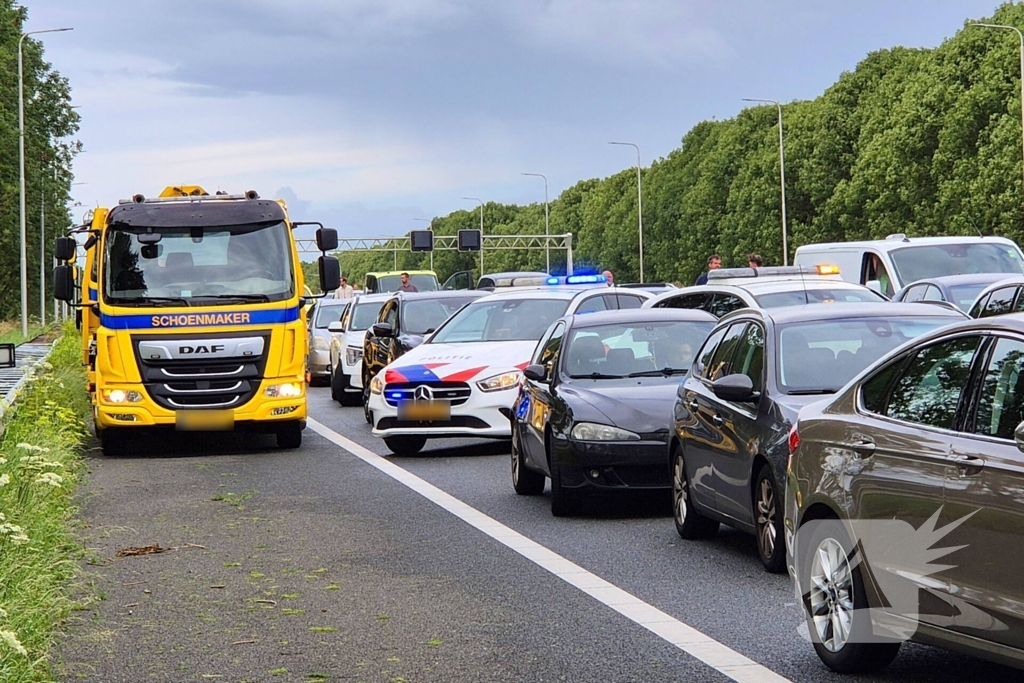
(547, 223)
(21, 173)
(474, 199)
(639, 204)
(431, 221)
(782, 177)
(1021, 37)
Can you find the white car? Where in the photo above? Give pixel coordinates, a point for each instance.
(461, 381)
(730, 289)
(347, 347)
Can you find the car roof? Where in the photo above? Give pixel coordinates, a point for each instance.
(439, 294)
(882, 309)
(755, 287)
(385, 273)
(376, 296)
(640, 315)
(898, 241)
(330, 302)
(566, 292)
(1005, 282)
(516, 273)
(965, 279)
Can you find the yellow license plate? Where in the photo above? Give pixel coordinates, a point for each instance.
(204, 420)
(424, 411)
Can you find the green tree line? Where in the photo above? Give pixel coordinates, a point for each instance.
(919, 141)
(49, 150)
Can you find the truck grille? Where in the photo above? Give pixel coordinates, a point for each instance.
(455, 392)
(193, 384)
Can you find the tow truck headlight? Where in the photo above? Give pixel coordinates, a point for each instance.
(591, 431)
(376, 386)
(353, 355)
(121, 396)
(286, 390)
(505, 380)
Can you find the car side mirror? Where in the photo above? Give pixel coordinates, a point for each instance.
(737, 388)
(382, 330)
(335, 327)
(875, 286)
(537, 373)
(1018, 436)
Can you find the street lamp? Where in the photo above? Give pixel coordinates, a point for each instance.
(431, 221)
(639, 204)
(21, 171)
(547, 224)
(782, 177)
(474, 199)
(1021, 36)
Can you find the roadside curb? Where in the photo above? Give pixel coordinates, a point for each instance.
(12, 380)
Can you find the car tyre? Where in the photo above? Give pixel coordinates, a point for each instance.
(525, 481)
(405, 445)
(339, 382)
(114, 441)
(690, 524)
(768, 513)
(565, 502)
(289, 435)
(367, 413)
(835, 603)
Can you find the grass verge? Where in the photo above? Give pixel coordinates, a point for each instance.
(10, 331)
(39, 468)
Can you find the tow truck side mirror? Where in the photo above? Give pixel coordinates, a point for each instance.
(64, 248)
(326, 239)
(330, 272)
(63, 283)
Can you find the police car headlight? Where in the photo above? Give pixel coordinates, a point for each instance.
(505, 380)
(121, 396)
(286, 390)
(353, 355)
(376, 386)
(591, 431)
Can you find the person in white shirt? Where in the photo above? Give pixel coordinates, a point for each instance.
(344, 291)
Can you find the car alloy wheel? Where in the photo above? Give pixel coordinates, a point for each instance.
(690, 524)
(831, 595)
(768, 521)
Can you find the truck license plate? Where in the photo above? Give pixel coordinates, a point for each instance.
(204, 420)
(424, 411)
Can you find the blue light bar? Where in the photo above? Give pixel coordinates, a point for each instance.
(584, 279)
(396, 395)
(553, 280)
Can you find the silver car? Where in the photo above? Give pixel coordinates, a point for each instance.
(318, 356)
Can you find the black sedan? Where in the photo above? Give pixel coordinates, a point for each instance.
(595, 405)
(735, 408)
(959, 290)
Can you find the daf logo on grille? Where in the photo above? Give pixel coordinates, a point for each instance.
(423, 394)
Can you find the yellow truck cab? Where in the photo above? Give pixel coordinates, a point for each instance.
(192, 314)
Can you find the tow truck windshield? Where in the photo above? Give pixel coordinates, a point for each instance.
(213, 266)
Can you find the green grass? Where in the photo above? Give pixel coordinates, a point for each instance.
(39, 468)
(10, 331)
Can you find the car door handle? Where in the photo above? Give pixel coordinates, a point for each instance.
(717, 421)
(864, 448)
(968, 464)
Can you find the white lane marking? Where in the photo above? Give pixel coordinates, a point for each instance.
(688, 639)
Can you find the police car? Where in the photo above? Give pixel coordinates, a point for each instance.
(462, 380)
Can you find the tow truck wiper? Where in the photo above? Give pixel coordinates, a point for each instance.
(151, 300)
(235, 297)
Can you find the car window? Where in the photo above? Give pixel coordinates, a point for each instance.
(547, 350)
(697, 301)
(816, 296)
(914, 293)
(1000, 302)
(629, 301)
(1019, 306)
(363, 315)
(933, 293)
(928, 391)
(1000, 406)
(722, 361)
(725, 303)
(390, 313)
(749, 358)
(593, 304)
(325, 315)
(706, 351)
(964, 295)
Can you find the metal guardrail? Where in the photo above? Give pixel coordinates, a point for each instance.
(12, 379)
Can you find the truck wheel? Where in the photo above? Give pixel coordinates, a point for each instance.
(114, 441)
(405, 445)
(289, 435)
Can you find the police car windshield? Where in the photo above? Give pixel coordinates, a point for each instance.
(502, 320)
(222, 265)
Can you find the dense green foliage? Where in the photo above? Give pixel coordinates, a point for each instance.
(40, 466)
(49, 123)
(921, 141)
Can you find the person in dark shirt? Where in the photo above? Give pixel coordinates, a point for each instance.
(714, 263)
(407, 286)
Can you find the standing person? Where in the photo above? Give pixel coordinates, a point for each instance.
(608, 276)
(714, 263)
(754, 261)
(406, 285)
(345, 291)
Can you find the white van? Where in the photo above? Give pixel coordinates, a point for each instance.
(893, 263)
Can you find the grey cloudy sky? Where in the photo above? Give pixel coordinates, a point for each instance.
(366, 114)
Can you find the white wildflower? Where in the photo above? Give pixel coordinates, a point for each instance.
(50, 478)
(3, 613)
(11, 639)
(5, 479)
(3, 461)
(33, 447)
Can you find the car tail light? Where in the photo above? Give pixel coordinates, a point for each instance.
(794, 440)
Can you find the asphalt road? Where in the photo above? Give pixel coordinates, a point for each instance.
(315, 565)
